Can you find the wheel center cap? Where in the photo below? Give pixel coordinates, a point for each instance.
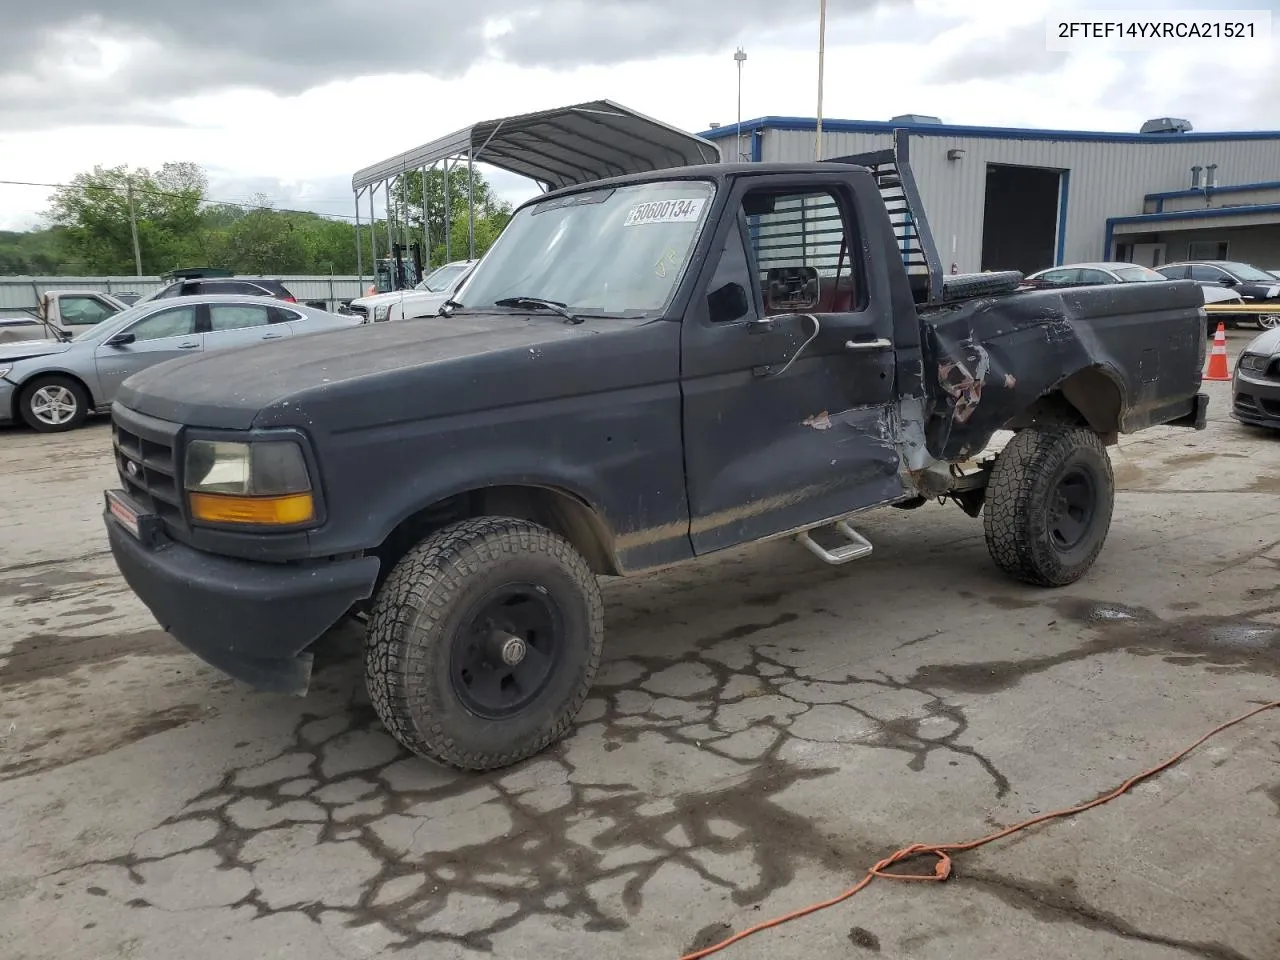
(513, 651)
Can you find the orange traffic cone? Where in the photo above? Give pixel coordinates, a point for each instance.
(1218, 369)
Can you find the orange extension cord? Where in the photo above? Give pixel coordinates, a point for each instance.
(943, 851)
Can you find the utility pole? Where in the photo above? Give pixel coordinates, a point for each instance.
(133, 228)
(822, 42)
(739, 55)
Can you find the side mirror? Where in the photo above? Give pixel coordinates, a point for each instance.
(728, 303)
(121, 340)
(1228, 281)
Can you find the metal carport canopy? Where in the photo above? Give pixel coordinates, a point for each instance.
(558, 148)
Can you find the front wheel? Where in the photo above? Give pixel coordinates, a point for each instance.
(1049, 504)
(1268, 321)
(483, 643)
(53, 404)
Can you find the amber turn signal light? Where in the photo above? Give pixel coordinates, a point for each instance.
(282, 511)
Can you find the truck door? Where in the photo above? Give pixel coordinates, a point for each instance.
(788, 367)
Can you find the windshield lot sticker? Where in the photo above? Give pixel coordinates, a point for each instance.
(664, 211)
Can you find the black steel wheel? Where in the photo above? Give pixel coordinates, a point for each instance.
(1049, 504)
(483, 643)
(507, 650)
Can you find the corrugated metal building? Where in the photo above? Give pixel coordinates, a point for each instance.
(1002, 198)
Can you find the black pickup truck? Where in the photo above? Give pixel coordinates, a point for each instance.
(641, 371)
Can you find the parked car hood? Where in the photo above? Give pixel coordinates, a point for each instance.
(28, 349)
(1267, 343)
(1220, 295)
(410, 367)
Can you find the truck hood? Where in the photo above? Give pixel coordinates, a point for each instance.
(419, 366)
(391, 296)
(28, 349)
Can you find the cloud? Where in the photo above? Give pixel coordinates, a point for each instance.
(1016, 52)
(73, 61)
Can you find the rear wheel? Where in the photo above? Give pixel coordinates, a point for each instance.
(1268, 321)
(483, 643)
(53, 404)
(1049, 505)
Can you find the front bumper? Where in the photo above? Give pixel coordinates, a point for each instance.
(7, 393)
(1255, 401)
(253, 621)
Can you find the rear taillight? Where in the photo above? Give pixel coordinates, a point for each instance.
(290, 299)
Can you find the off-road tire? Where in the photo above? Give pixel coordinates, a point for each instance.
(1023, 485)
(417, 613)
(53, 380)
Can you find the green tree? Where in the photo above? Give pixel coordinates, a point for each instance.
(94, 212)
(265, 241)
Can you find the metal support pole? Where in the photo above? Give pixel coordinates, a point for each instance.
(740, 56)
(373, 234)
(448, 213)
(822, 43)
(426, 222)
(386, 189)
(359, 252)
(471, 209)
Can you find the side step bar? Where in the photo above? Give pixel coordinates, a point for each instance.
(857, 547)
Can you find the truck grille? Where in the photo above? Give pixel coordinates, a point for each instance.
(145, 461)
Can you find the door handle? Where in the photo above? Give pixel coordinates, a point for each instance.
(880, 344)
(188, 346)
(272, 336)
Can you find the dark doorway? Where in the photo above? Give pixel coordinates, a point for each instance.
(1020, 218)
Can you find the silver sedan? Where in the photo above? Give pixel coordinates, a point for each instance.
(53, 385)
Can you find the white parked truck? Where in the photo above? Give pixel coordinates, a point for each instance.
(60, 315)
(423, 300)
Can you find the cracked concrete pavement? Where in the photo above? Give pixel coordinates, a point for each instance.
(764, 729)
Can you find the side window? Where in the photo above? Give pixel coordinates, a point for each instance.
(280, 315)
(173, 290)
(178, 322)
(730, 294)
(808, 256)
(1057, 277)
(83, 311)
(1173, 273)
(1206, 274)
(1095, 276)
(228, 316)
(223, 286)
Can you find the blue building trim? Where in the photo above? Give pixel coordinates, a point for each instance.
(1207, 214)
(757, 145)
(1062, 217)
(1159, 198)
(809, 125)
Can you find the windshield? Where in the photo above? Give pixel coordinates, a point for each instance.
(439, 280)
(618, 251)
(1245, 272)
(1137, 273)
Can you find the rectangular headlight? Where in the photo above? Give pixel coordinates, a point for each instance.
(259, 482)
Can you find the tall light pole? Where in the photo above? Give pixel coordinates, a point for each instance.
(739, 55)
(822, 42)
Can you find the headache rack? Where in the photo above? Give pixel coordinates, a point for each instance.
(891, 169)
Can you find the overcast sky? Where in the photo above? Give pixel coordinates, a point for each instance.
(290, 97)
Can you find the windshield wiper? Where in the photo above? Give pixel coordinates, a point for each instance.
(552, 305)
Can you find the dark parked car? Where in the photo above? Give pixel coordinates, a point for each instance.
(1255, 387)
(257, 287)
(1254, 285)
(643, 370)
